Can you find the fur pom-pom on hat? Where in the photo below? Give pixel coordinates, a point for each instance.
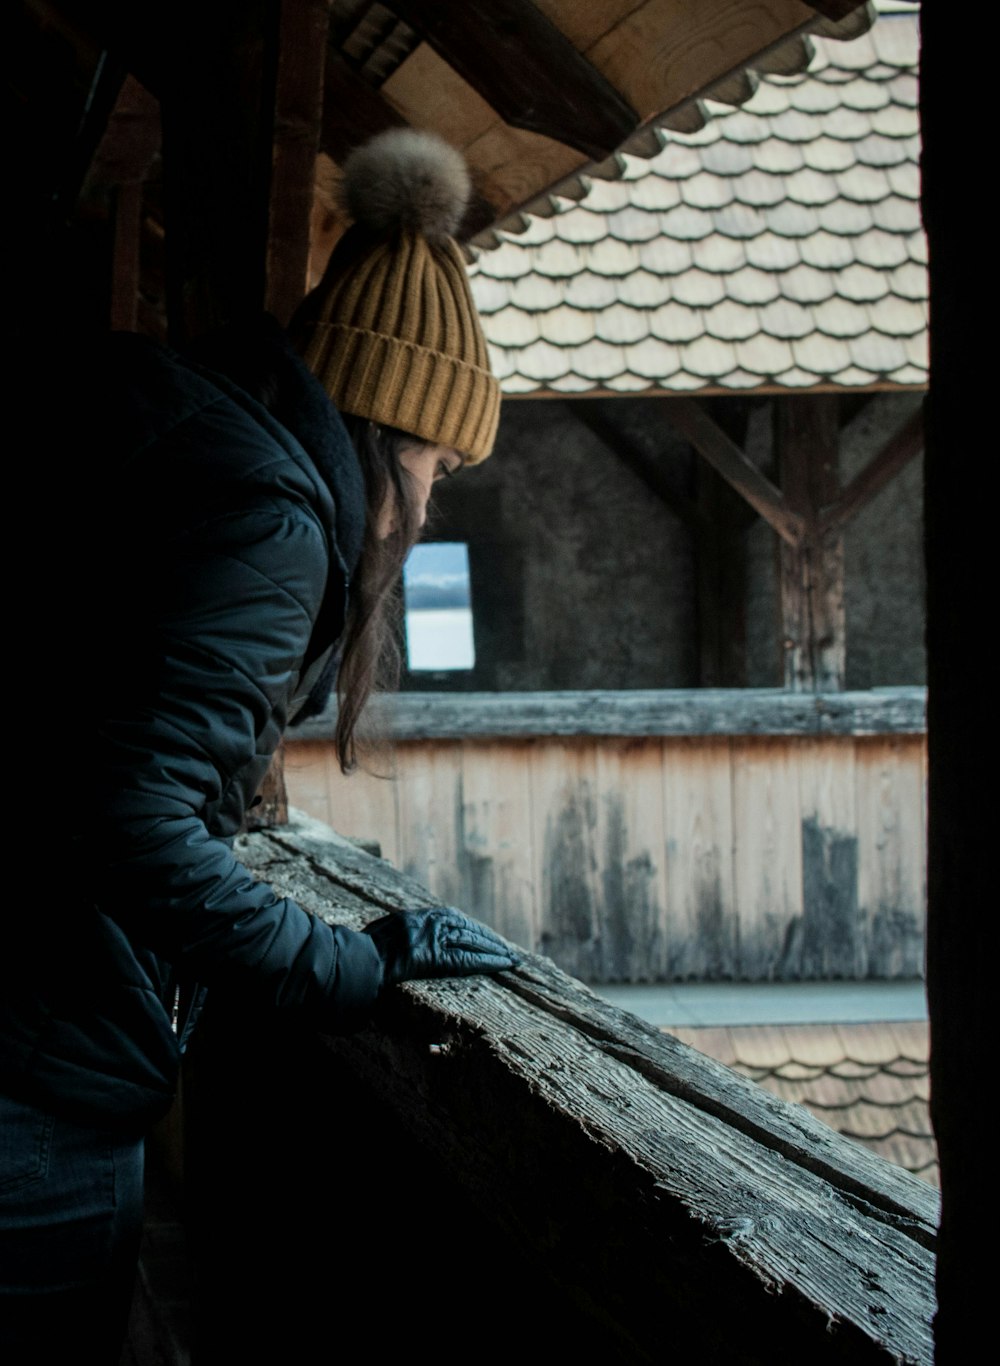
(405, 178)
(392, 331)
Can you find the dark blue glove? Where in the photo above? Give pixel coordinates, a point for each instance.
(439, 942)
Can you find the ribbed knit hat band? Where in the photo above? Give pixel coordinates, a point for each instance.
(438, 398)
(397, 337)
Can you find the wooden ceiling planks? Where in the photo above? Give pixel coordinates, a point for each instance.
(661, 54)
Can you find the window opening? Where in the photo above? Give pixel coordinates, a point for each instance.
(438, 607)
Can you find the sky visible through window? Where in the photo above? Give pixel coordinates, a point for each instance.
(438, 607)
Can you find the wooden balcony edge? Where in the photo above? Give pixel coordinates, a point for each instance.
(693, 712)
(670, 1197)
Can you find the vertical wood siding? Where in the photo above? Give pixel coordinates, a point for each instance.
(660, 858)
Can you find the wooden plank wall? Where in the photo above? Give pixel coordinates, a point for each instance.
(658, 858)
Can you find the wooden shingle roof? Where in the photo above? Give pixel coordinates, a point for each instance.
(870, 1082)
(778, 247)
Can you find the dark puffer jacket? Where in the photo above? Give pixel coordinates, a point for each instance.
(204, 546)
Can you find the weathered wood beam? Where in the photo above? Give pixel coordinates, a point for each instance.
(812, 571)
(683, 711)
(526, 69)
(894, 456)
(700, 1187)
(298, 112)
(122, 162)
(104, 92)
(131, 139)
(217, 98)
(125, 258)
(712, 443)
(218, 83)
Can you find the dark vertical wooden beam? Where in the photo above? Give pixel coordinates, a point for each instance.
(216, 76)
(216, 84)
(721, 564)
(960, 539)
(219, 91)
(122, 162)
(125, 258)
(109, 74)
(812, 571)
(301, 66)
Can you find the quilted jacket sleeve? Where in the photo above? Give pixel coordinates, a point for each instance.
(205, 634)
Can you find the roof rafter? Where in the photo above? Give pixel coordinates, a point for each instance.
(529, 71)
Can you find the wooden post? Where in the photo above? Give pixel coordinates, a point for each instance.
(218, 133)
(721, 565)
(302, 44)
(217, 83)
(812, 571)
(241, 118)
(722, 586)
(959, 539)
(123, 159)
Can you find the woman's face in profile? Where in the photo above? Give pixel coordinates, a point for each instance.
(425, 465)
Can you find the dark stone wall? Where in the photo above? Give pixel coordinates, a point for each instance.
(884, 591)
(584, 576)
(581, 576)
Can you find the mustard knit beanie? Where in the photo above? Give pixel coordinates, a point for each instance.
(395, 336)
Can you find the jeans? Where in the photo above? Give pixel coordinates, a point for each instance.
(71, 1210)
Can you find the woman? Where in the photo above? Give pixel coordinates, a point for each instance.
(231, 523)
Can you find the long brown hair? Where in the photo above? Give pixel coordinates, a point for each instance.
(369, 649)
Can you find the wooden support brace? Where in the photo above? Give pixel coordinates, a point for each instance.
(897, 452)
(727, 459)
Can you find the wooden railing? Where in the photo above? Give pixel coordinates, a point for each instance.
(515, 1160)
(645, 836)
